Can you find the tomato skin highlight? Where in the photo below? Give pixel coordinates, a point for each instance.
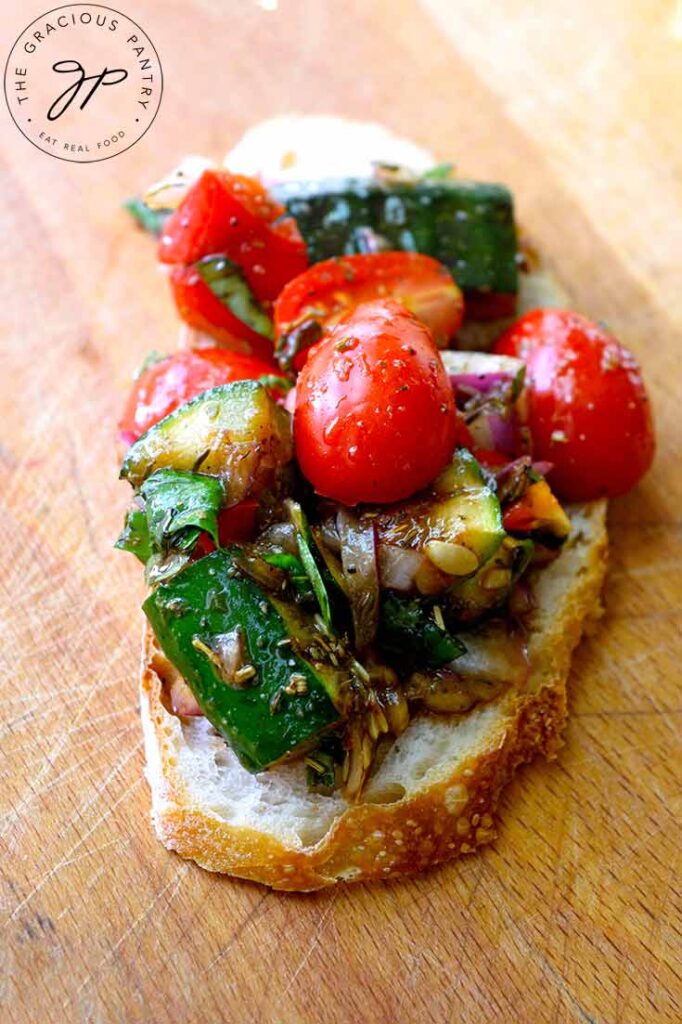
(233, 215)
(201, 309)
(165, 385)
(589, 413)
(328, 290)
(375, 415)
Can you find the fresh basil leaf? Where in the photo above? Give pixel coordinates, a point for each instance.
(273, 380)
(135, 535)
(408, 631)
(305, 542)
(179, 505)
(441, 172)
(321, 772)
(294, 569)
(227, 283)
(148, 219)
(321, 764)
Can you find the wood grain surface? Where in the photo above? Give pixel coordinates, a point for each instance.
(571, 915)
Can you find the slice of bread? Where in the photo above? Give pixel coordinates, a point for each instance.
(434, 794)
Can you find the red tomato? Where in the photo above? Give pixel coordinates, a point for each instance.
(488, 458)
(375, 413)
(319, 297)
(165, 385)
(230, 214)
(200, 308)
(235, 525)
(589, 411)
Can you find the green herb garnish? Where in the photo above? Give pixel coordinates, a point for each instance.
(227, 283)
(409, 631)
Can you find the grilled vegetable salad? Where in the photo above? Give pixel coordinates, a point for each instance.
(336, 509)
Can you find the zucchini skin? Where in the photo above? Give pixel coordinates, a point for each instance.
(467, 225)
(459, 508)
(233, 431)
(262, 723)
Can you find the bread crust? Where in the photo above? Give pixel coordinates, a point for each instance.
(437, 821)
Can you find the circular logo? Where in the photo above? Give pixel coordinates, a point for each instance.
(83, 82)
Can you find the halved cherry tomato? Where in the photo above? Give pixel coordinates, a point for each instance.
(375, 412)
(589, 413)
(230, 214)
(316, 300)
(235, 525)
(165, 385)
(200, 308)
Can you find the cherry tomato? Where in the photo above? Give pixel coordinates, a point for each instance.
(235, 525)
(375, 413)
(165, 385)
(318, 298)
(200, 308)
(589, 411)
(230, 214)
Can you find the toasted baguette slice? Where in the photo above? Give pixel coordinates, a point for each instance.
(432, 798)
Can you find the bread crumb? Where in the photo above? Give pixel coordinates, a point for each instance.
(456, 798)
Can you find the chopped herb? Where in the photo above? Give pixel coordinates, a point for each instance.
(179, 505)
(148, 219)
(297, 340)
(344, 344)
(275, 382)
(441, 172)
(322, 763)
(295, 570)
(163, 527)
(227, 283)
(409, 631)
(305, 542)
(135, 535)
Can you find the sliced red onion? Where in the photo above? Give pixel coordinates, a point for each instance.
(182, 700)
(359, 562)
(477, 368)
(487, 389)
(230, 650)
(279, 535)
(479, 383)
(513, 479)
(398, 567)
(496, 431)
(330, 534)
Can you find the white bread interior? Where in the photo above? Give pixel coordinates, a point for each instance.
(434, 794)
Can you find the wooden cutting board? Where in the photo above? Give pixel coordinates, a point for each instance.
(571, 914)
